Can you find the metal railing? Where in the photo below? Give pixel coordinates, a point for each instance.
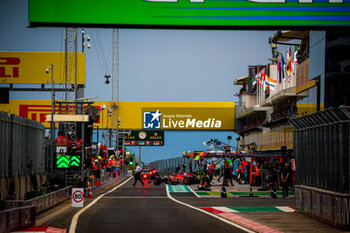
(166, 167)
(322, 149)
(22, 150)
(43, 202)
(321, 142)
(16, 218)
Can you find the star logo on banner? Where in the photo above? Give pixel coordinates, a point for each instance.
(156, 115)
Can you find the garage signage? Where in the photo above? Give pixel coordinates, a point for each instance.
(144, 138)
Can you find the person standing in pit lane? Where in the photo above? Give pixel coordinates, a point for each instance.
(138, 171)
(286, 175)
(221, 170)
(190, 166)
(227, 174)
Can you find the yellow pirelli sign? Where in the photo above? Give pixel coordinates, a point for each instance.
(142, 115)
(30, 67)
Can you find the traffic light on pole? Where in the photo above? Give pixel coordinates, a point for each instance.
(131, 161)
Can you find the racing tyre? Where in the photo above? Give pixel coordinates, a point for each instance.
(157, 180)
(187, 181)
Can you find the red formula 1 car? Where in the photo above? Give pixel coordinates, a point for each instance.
(151, 175)
(181, 178)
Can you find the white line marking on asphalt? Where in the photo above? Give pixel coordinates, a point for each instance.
(193, 191)
(206, 212)
(285, 208)
(73, 225)
(225, 209)
(45, 219)
(135, 197)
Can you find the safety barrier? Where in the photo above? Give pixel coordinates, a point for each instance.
(326, 206)
(16, 218)
(22, 150)
(166, 167)
(22, 153)
(322, 150)
(44, 202)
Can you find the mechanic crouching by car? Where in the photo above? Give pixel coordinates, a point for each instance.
(137, 177)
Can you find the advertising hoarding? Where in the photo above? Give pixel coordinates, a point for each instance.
(191, 13)
(30, 67)
(173, 115)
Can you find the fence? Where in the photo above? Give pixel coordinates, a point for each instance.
(19, 213)
(17, 218)
(44, 202)
(167, 167)
(321, 143)
(22, 151)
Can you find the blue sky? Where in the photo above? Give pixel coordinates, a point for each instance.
(155, 65)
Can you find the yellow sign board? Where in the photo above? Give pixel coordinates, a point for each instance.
(173, 115)
(274, 139)
(30, 67)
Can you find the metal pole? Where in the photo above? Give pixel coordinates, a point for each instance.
(107, 132)
(140, 155)
(52, 124)
(83, 150)
(83, 39)
(125, 167)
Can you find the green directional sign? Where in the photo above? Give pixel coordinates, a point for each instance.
(66, 161)
(62, 161)
(74, 161)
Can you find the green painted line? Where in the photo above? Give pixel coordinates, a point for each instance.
(170, 188)
(255, 209)
(179, 189)
(260, 193)
(256, 193)
(203, 193)
(214, 193)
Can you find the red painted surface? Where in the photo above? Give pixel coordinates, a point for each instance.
(242, 221)
(212, 210)
(43, 229)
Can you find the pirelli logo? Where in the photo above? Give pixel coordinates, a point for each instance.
(35, 112)
(9, 67)
(39, 112)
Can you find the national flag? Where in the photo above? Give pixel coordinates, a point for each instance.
(296, 48)
(279, 71)
(263, 78)
(282, 66)
(289, 61)
(253, 80)
(270, 81)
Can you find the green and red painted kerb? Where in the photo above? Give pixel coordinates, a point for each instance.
(230, 213)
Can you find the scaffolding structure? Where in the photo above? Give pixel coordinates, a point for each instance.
(71, 79)
(114, 126)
